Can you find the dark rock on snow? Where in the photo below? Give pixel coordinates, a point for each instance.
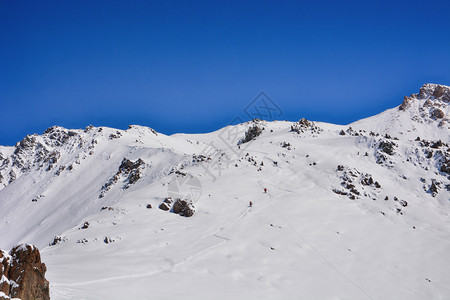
(183, 208)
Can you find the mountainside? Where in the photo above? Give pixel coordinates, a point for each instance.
(351, 212)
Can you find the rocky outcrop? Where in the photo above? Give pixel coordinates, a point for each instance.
(437, 113)
(182, 207)
(304, 125)
(432, 103)
(387, 147)
(437, 91)
(23, 274)
(5, 260)
(253, 132)
(406, 102)
(130, 171)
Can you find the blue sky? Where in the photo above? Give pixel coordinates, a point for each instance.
(193, 66)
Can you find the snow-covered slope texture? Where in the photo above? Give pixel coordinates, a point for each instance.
(350, 212)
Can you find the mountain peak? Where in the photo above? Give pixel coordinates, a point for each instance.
(431, 103)
(436, 91)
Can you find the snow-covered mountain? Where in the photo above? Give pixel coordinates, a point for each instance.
(351, 212)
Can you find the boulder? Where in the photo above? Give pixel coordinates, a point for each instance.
(167, 204)
(164, 206)
(437, 114)
(183, 208)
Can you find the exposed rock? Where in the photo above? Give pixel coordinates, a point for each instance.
(184, 208)
(199, 158)
(437, 144)
(303, 125)
(88, 128)
(12, 176)
(251, 133)
(28, 142)
(52, 159)
(356, 184)
(445, 165)
(286, 145)
(85, 225)
(108, 240)
(113, 136)
(437, 91)
(57, 136)
(437, 113)
(127, 165)
(107, 208)
(430, 104)
(387, 147)
(57, 240)
(5, 261)
(406, 103)
(128, 169)
(23, 274)
(166, 204)
(434, 187)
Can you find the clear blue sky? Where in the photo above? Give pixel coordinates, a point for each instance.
(192, 66)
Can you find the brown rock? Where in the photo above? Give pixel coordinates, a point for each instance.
(164, 206)
(439, 91)
(406, 103)
(183, 208)
(25, 274)
(437, 113)
(4, 270)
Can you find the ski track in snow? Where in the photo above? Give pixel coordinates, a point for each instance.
(321, 257)
(173, 266)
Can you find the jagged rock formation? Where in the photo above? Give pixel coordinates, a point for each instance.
(434, 100)
(304, 125)
(23, 274)
(129, 170)
(253, 132)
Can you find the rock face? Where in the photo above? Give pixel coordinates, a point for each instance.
(23, 274)
(129, 171)
(5, 260)
(433, 100)
(253, 132)
(437, 91)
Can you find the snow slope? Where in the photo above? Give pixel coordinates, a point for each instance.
(350, 213)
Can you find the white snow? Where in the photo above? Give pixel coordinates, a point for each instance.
(298, 241)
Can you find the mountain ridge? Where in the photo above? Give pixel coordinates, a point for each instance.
(89, 199)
